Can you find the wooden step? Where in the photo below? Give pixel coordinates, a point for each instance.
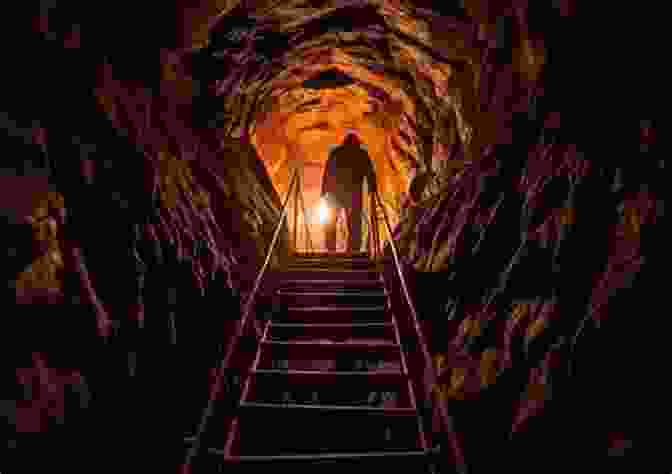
(315, 274)
(291, 377)
(327, 351)
(335, 292)
(330, 261)
(335, 332)
(213, 460)
(412, 461)
(352, 391)
(332, 314)
(279, 430)
(330, 255)
(297, 409)
(331, 284)
(332, 298)
(331, 258)
(322, 279)
(344, 457)
(333, 267)
(327, 286)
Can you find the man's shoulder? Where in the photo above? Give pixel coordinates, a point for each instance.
(348, 150)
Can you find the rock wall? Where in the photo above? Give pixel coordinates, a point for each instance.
(537, 254)
(125, 278)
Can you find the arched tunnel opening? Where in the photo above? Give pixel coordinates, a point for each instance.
(147, 157)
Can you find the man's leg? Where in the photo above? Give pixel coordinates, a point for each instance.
(330, 229)
(355, 222)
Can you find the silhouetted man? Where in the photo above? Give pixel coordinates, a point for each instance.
(347, 167)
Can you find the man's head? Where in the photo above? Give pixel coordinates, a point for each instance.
(351, 139)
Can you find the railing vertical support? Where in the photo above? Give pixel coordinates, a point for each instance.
(309, 240)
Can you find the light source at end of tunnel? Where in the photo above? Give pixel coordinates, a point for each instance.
(323, 211)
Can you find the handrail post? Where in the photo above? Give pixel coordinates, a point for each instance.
(296, 215)
(429, 367)
(374, 216)
(379, 250)
(372, 244)
(370, 232)
(309, 239)
(372, 248)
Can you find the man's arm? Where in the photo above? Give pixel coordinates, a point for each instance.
(328, 174)
(371, 174)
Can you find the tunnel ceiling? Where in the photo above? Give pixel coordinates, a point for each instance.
(413, 71)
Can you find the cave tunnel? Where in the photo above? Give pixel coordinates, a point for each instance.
(146, 165)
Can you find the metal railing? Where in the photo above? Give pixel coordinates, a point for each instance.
(430, 375)
(374, 236)
(216, 388)
(376, 253)
(298, 195)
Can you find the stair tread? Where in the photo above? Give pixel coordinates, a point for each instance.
(333, 314)
(321, 274)
(342, 291)
(330, 259)
(330, 325)
(353, 393)
(336, 409)
(329, 356)
(361, 264)
(326, 456)
(324, 374)
(336, 308)
(327, 343)
(321, 261)
(325, 263)
(352, 332)
(334, 282)
(418, 462)
(332, 270)
(331, 254)
(278, 432)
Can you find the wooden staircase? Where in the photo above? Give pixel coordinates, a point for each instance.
(329, 386)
